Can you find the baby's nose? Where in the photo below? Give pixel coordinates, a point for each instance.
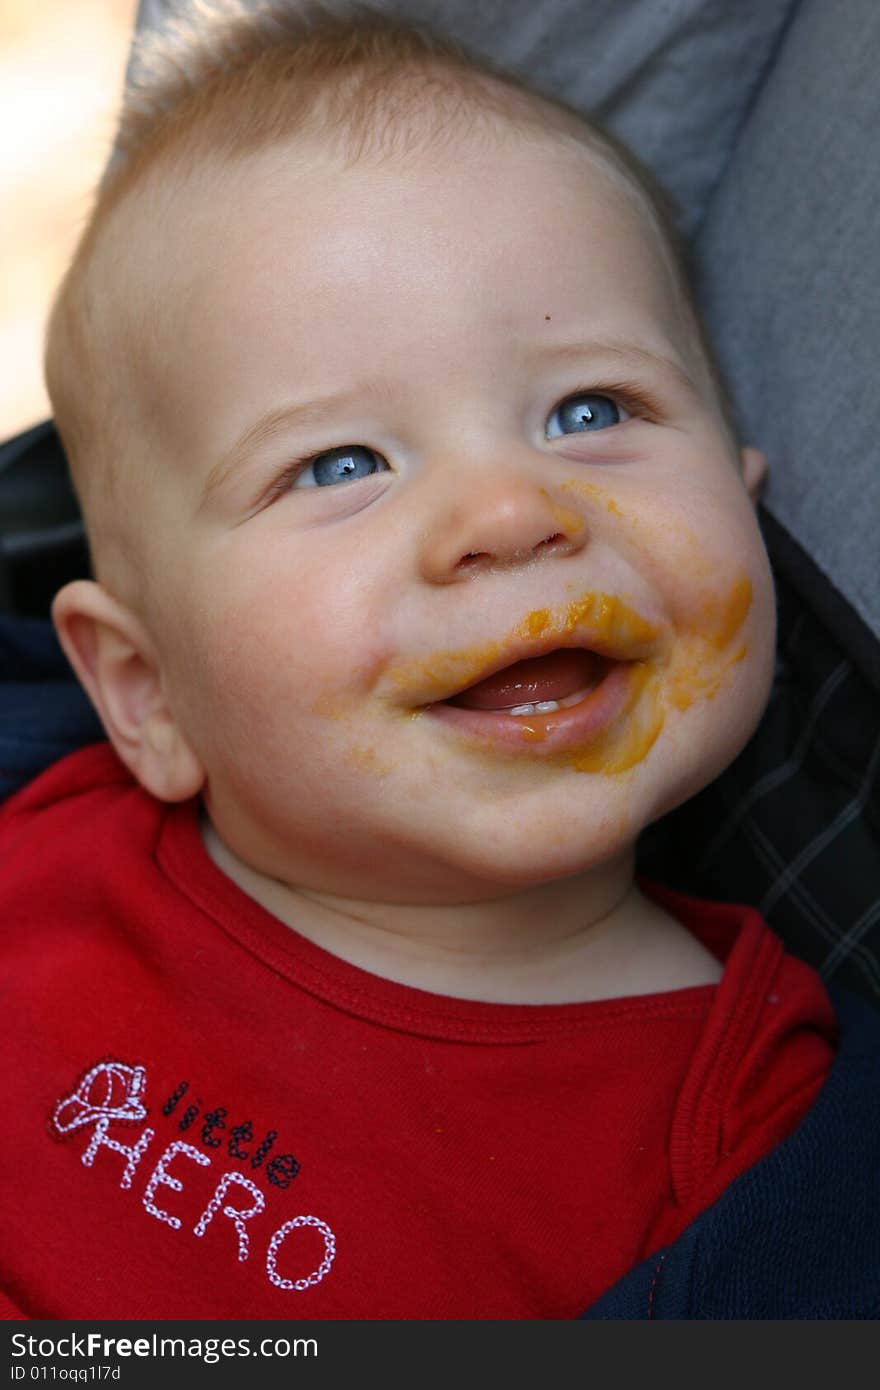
(503, 523)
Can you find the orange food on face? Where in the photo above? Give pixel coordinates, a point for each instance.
(600, 636)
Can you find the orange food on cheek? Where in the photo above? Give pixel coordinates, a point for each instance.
(707, 653)
(593, 493)
(698, 663)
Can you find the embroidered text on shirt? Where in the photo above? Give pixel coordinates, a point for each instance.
(113, 1092)
(280, 1170)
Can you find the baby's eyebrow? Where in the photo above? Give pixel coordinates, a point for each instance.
(275, 422)
(272, 423)
(620, 353)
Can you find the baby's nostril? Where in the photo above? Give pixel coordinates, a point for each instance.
(469, 561)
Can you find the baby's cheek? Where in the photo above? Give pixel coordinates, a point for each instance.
(708, 645)
(721, 658)
(284, 679)
(698, 545)
(705, 556)
(714, 566)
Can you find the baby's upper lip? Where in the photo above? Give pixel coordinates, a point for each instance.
(442, 675)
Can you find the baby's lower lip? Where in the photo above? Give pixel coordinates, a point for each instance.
(555, 731)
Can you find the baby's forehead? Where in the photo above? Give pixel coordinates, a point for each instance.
(231, 201)
(237, 235)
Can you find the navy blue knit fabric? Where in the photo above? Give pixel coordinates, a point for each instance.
(798, 1235)
(44, 712)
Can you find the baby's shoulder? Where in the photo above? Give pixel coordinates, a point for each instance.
(65, 839)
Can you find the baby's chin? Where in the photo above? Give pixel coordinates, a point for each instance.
(481, 851)
(486, 828)
(583, 823)
(472, 854)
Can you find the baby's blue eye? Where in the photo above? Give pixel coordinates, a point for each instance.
(344, 465)
(585, 411)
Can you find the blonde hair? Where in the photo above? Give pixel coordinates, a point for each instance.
(225, 80)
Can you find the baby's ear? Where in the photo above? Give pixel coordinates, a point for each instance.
(754, 470)
(114, 658)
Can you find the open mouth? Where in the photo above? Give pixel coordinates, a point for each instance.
(562, 700)
(537, 685)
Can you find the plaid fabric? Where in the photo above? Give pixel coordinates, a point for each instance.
(793, 826)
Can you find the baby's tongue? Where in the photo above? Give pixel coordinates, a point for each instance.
(549, 677)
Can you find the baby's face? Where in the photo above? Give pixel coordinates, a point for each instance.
(511, 448)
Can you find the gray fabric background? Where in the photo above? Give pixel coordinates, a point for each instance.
(673, 78)
(790, 269)
(762, 117)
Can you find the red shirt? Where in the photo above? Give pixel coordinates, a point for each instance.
(209, 1116)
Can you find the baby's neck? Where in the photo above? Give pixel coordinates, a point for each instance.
(594, 936)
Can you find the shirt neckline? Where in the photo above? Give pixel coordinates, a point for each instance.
(728, 931)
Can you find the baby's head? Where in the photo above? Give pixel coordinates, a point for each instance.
(379, 373)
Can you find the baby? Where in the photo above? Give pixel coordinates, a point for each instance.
(427, 575)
